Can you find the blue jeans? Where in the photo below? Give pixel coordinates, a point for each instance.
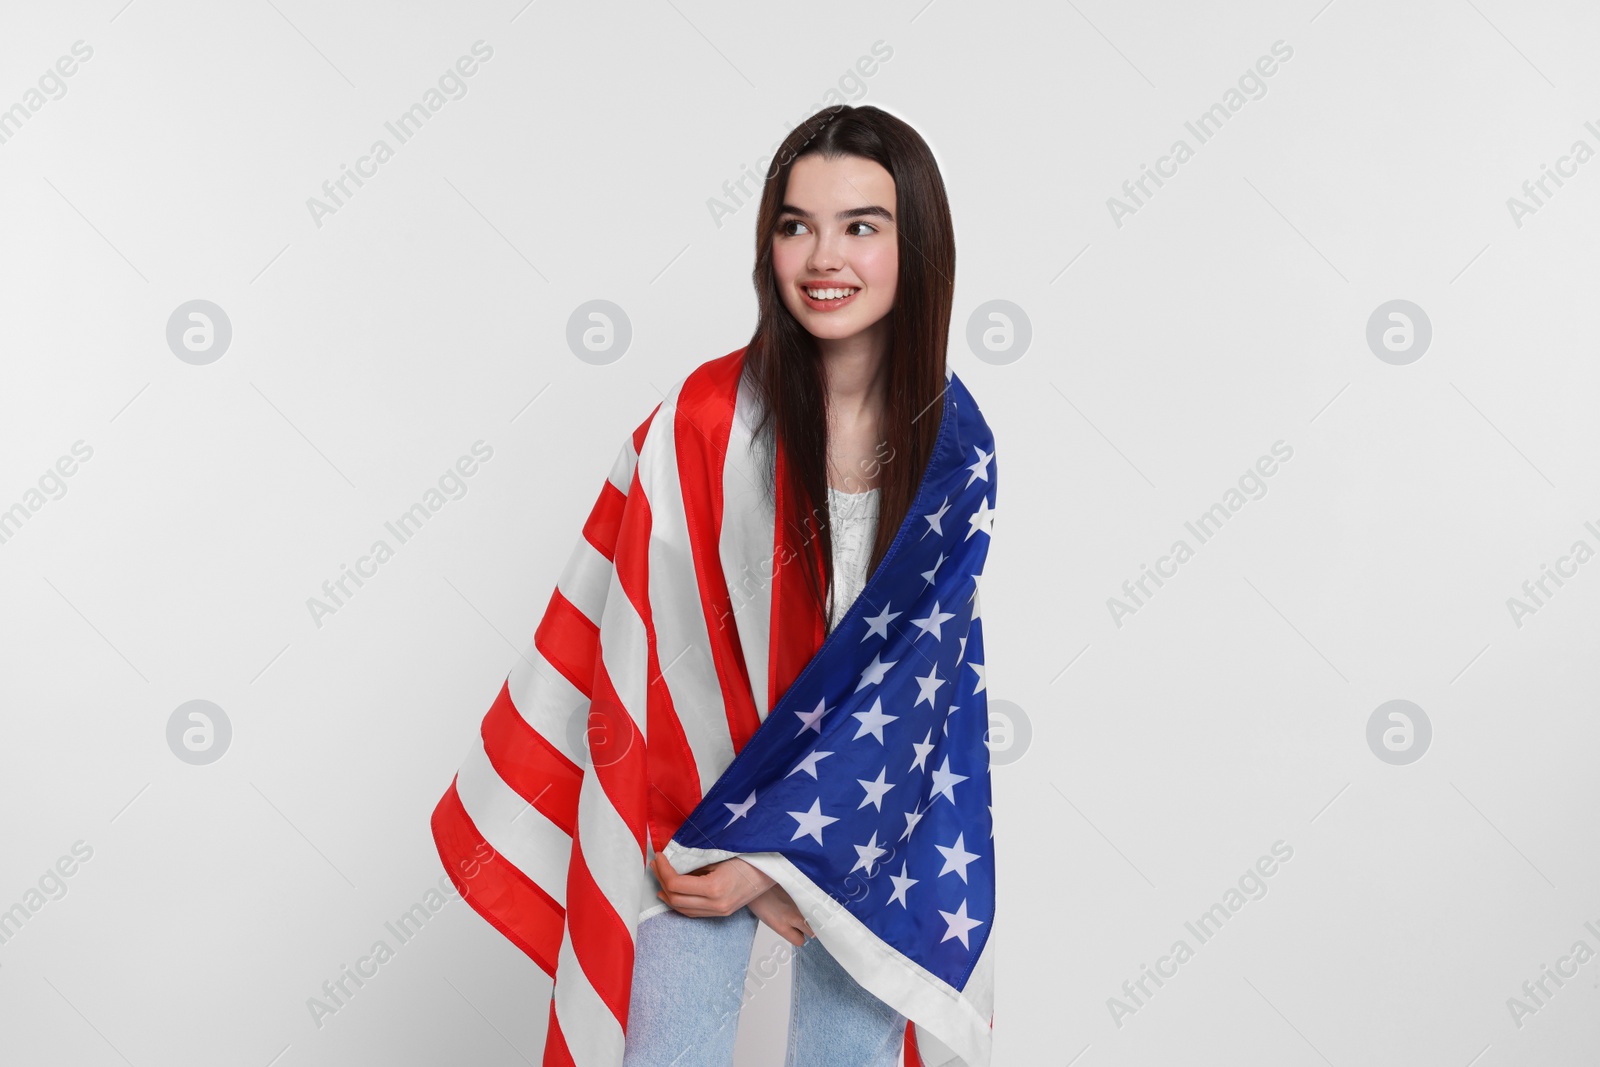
(689, 978)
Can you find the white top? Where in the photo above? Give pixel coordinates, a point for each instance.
(854, 519)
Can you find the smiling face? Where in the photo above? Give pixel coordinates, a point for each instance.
(835, 254)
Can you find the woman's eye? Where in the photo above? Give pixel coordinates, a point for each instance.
(784, 228)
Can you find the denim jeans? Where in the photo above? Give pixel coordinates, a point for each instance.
(688, 986)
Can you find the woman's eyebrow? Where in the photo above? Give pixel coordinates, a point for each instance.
(850, 213)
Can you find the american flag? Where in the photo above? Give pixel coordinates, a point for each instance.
(682, 694)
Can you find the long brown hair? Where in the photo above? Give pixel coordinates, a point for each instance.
(783, 363)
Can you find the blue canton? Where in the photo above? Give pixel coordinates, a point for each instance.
(871, 774)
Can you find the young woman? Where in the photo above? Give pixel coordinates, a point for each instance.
(781, 550)
(843, 398)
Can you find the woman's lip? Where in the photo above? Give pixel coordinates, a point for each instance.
(828, 305)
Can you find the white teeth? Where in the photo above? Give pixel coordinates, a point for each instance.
(828, 294)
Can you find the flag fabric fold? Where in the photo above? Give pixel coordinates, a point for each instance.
(682, 694)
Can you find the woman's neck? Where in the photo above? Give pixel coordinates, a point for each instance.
(854, 372)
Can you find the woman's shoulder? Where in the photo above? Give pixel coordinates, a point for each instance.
(704, 397)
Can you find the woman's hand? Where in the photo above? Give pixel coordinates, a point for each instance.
(777, 909)
(717, 889)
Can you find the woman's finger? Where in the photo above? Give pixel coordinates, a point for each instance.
(724, 886)
(711, 890)
(674, 882)
(692, 904)
(666, 874)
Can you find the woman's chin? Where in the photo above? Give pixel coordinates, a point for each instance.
(825, 327)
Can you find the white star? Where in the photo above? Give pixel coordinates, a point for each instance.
(956, 856)
(951, 710)
(811, 824)
(868, 855)
(926, 687)
(934, 622)
(980, 469)
(927, 576)
(810, 719)
(961, 651)
(945, 781)
(959, 924)
(912, 818)
(873, 721)
(933, 519)
(875, 790)
(739, 810)
(875, 671)
(901, 884)
(879, 624)
(809, 764)
(982, 681)
(982, 520)
(922, 747)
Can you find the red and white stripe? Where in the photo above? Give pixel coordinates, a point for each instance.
(670, 630)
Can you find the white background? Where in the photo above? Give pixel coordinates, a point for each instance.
(1168, 353)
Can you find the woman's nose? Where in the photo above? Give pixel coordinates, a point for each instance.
(825, 255)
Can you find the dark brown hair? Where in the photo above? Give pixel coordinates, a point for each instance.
(783, 362)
